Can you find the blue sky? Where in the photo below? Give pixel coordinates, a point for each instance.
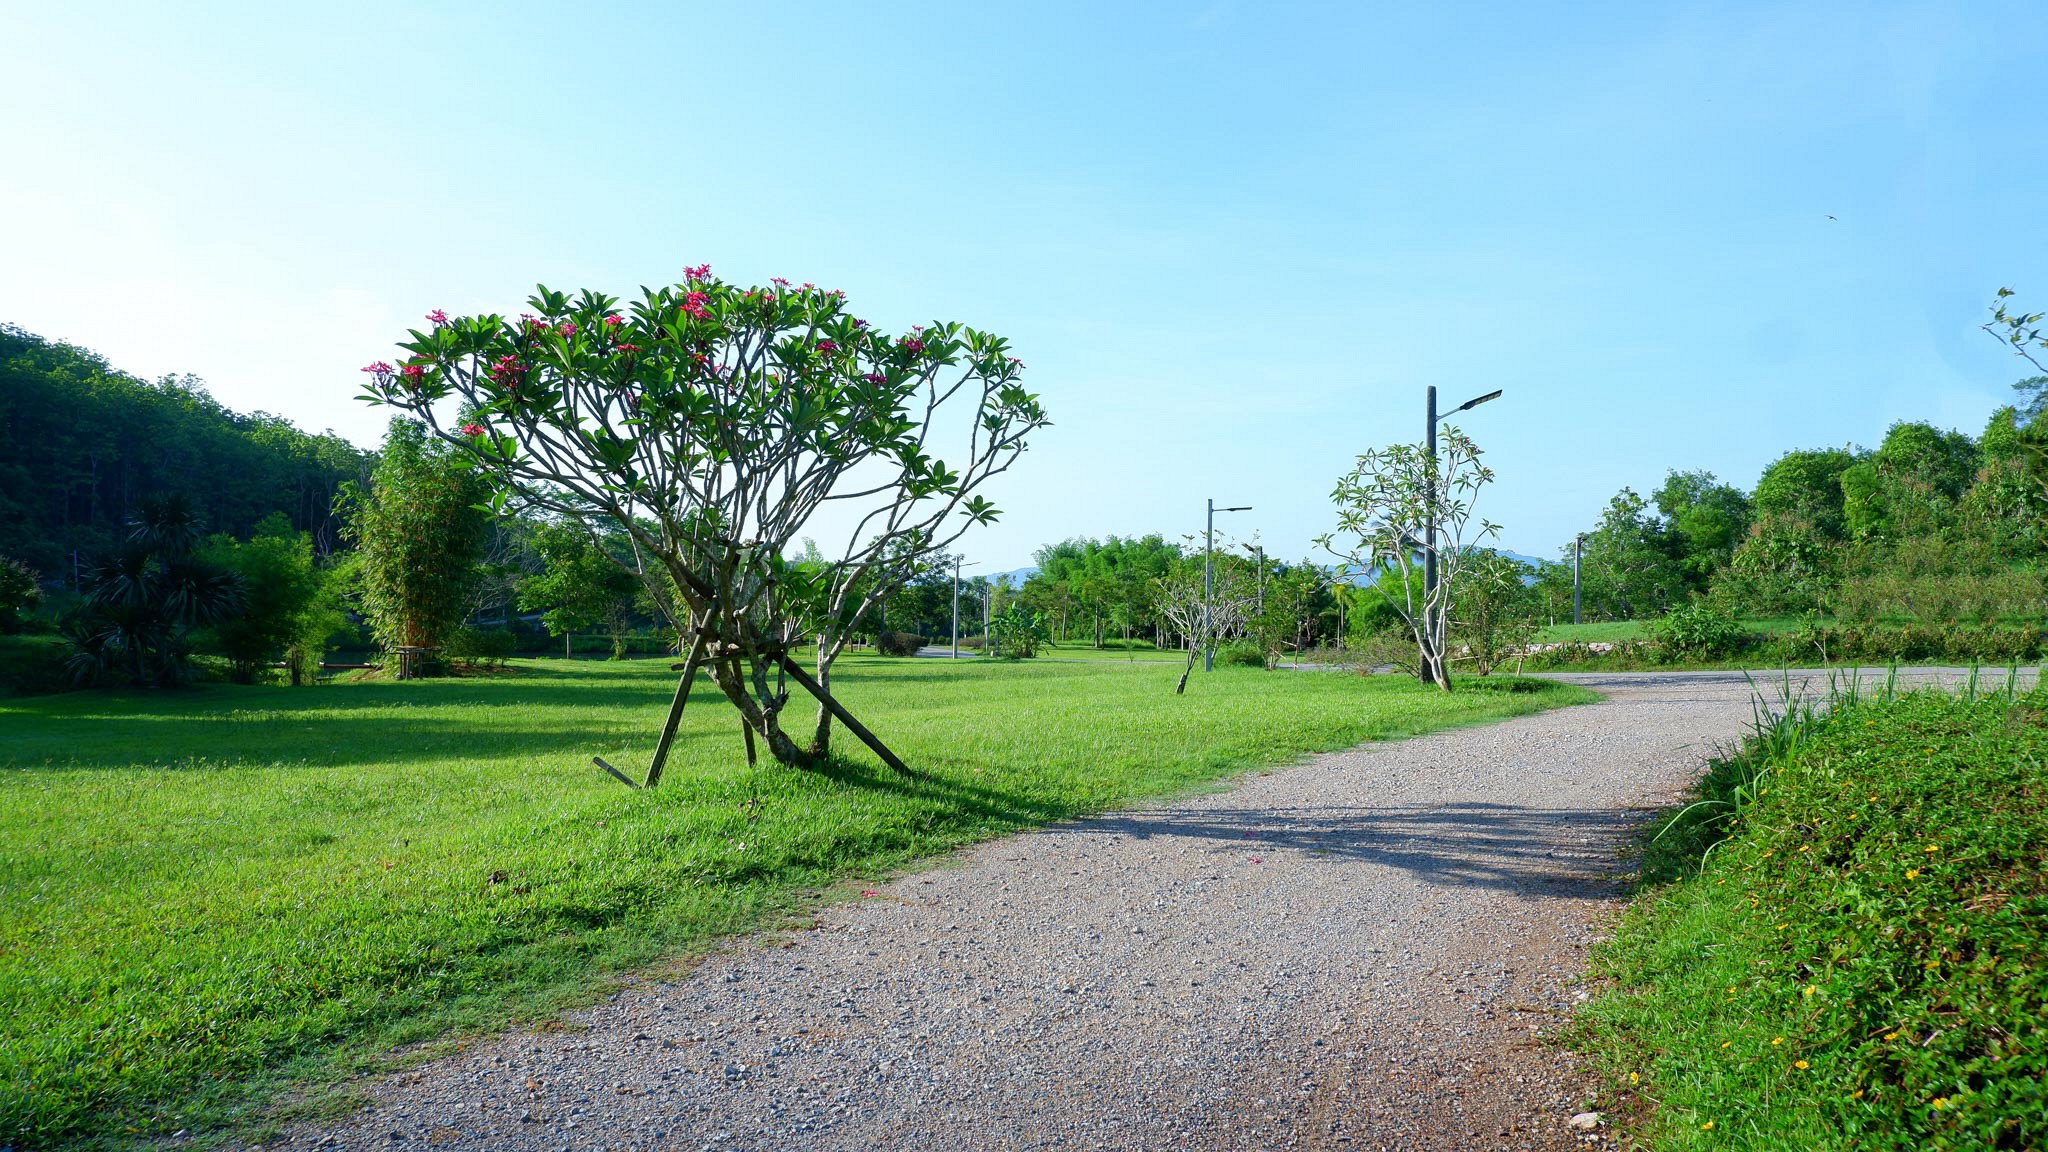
(1233, 241)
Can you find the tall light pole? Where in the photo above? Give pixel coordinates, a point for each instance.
(1429, 614)
(956, 607)
(1208, 580)
(1578, 541)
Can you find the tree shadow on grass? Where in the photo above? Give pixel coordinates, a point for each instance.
(1534, 852)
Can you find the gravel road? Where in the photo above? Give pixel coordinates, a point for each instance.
(1359, 952)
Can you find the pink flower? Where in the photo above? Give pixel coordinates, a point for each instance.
(1254, 860)
(380, 368)
(472, 430)
(694, 305)
(700, 272)
(913, 344)
(778, 281)
(508, 370)
(808, 285)
(875, 378)
(827, 346)
(566, 328)
(438, 317)
(859, 323)
(413, 371)
(614, 319)
(917, 327)
(629, 347)
(871, 892)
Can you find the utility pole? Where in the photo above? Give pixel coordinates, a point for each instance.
(956, 607)
(1208, 582)
(1577, 542)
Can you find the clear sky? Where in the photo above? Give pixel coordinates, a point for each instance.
(1233, 241)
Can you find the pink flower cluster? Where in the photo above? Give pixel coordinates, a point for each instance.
(778, 281)
(437, 317)
(380, 368)
(875, 378)
(472, 430)
(613, 319)
(508, 370)
(827, 346)
(700, 272)
(414, 372)
(625, 347)
(859, 323)
(913, 344)
(694, 305)
(566, 328)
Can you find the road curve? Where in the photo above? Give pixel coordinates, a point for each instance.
(1350, 953)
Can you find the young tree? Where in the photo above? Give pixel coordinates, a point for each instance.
(1494, 614)
(419, 533)
(580, 586)
(1386, 506)
(711, 423)
(1205, 621)
(280, 585)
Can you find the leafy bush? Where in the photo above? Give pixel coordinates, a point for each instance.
(898, 643)
(481, 647)
(19, 593)
(1241, 656)
(1855, 963)
(1017, 632)
(1697, 631)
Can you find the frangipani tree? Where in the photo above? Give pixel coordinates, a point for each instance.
(711, 423)
(1385, 508)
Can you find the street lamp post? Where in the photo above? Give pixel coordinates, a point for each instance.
(1208, 581)
(1429, 614)
(956, 607)
(1578, 542)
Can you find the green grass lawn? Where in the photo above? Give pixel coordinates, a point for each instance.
(1608, 631)
(212, 894)
(1858, 961)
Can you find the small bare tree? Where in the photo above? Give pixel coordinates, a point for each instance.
(1231, 603)
(710, 423)
(1385, 508)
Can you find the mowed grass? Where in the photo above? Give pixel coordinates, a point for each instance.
(215, 894)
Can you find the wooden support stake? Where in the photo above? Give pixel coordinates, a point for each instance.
(859, 729)
(748, 729)
(675, 710)
(621, 777)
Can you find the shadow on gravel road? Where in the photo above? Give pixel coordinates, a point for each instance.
(1538, 851)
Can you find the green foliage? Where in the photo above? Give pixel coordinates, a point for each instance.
(1697, 631)
(86, 443)
(1493, 614)
(580, 585)
(280, 605)
(1242, 655)
(1857, 963)
(19, 594)
(143, 601)
(1704, 521)
(1094, 586)
(1806, 486)
(1016, 632)
(207, 889)
(419, 535)
(481, 647)
(899, 643)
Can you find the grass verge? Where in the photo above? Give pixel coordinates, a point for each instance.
(213, 895)
(1844, 943)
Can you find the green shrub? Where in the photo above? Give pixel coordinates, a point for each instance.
(1241, 656)
(898, 643)
(1851, 958)
(1697, 631)
(19, 594)
(481, 647)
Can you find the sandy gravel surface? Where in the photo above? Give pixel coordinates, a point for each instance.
(1356, 953)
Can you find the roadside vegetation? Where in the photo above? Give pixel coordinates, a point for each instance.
(213, 893)
(1840, 945)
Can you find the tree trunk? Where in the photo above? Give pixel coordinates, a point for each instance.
(821, 734)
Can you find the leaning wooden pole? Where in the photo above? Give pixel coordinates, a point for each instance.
(675, 709)
(797, 673)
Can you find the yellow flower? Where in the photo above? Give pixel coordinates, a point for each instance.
(1633, 1078)
(1810, 990)
(1806, 847)
(1785, 925)
(1801, 1065)
(1934, 847)
(1941, 1101)
(1707, 1127)
(1931, 965)
(1891, 1035)
(1911, 873)
(1856, 1095)
(1726, 1043)
(1778, 1041)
